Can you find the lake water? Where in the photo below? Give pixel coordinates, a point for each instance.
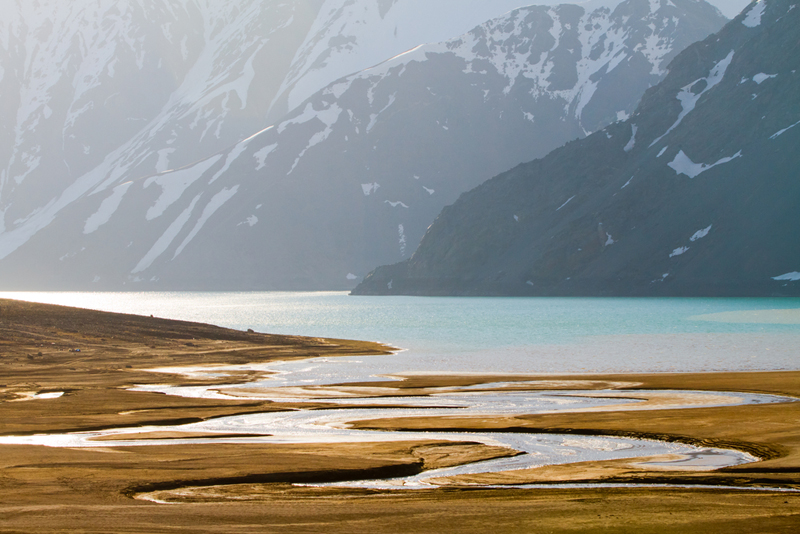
(494, 335)
(471, 335)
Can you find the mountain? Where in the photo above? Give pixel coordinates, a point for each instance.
(350, 35)
(94, 92)
(352, 177)
(98, 92)
(695, 194)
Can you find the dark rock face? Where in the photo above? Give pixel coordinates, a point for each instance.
(695, 194)
(353, 176)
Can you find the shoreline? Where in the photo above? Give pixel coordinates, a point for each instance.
(44, 489)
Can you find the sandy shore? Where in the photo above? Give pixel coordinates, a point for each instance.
(91, 356)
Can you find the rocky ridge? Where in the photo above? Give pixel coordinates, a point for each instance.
(694, 194)
(353, 176)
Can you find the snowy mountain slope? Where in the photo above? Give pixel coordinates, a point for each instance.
(695, 194)
(351, 35)
(353, 177)
(95, 93)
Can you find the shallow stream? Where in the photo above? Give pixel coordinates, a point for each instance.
(331, 425)
(461, 336)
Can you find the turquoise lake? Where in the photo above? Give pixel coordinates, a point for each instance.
(495, 335)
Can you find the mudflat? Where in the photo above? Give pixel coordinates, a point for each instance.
(65, 369)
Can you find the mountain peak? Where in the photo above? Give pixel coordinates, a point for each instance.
(693, 195)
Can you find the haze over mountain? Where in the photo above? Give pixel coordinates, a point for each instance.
(95, 93)
(695, 194)
(349, 179)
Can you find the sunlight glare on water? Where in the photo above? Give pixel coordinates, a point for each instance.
(500, 335)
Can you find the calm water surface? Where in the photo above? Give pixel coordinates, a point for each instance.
(498, 335)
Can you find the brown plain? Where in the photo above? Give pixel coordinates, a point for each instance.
(248, 488)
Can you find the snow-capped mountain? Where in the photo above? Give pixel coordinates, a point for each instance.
(98, 92)
(695, 194)
(353, 176)
(350, 35)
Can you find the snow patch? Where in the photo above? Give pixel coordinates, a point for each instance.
(166, 238)
(402, 238)
(250, 221)
(163, 159)
(565, 203)
(395, 203)
(683, 165)
(700, 234)
(338, 89)
(632, 142)
(761, 77)
(430, 191)
(678, 251)
(627, 183)
(235, 152)
(174, 184)
(213, 205)
(753, 17)
(689, 98)
(373, 118)
(261, 155)
(106, 209)
(661, 152)
(328, 117)
(369, 188)
(306, 115)
(791, 277)
(781, 132)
